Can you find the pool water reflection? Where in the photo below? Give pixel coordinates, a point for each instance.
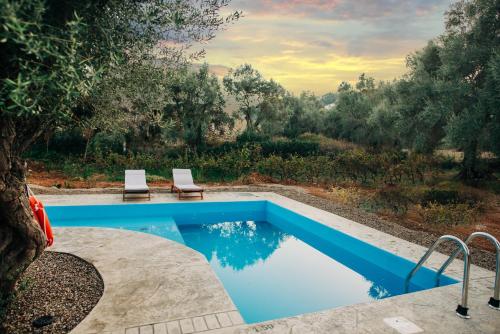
(271, 274)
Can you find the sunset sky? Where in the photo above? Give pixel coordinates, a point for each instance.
(316, 44)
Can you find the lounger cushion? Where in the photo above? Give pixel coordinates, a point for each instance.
(135, 181)
(182, 176)
(188, 187)
(183, 180)
(138, 188)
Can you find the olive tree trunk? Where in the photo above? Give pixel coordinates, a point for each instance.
(469, 169)
(21, 239)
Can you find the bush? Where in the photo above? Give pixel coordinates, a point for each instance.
(445, 197)
(448, 163)
(448, 214)
(393, 198)
(283, 148)
(67, 142)
(251, 137)
(328, 146)
(287, 148)
(348, 196)
(106, 143)
(440, 197)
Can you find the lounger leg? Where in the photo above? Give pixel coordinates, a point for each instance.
(201, 195)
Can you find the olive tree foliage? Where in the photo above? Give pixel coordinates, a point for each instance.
(421, 105)
(197, 106)
(451, 90)
(128, 103)
(53, 55)
(348, 119)
(260, 101)
(491, 98)
(365, 114)
(469, 56)
(305, 114)
(42, 74)
(142, 95)
(328, 98)
(382, 129)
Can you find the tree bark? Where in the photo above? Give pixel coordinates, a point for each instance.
(87, 143)
(469, 169)
(21, 239)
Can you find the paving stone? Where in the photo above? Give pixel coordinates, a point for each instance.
(224, 319)
(160, 328)
(173, 327)
(146, 329)
(211, 321)
(236, 318)
(187, 326)
(199, 324)
(134, 330)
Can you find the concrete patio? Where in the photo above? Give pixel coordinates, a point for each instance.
(154, 285)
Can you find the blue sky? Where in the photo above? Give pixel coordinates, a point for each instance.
(316, 44)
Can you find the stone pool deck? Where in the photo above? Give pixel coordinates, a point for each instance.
(154, 285)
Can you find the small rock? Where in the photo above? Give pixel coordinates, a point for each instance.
(43, 321)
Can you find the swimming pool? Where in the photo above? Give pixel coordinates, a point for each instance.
(273, 262)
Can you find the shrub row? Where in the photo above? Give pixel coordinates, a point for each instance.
(355, 165)
(283, 148)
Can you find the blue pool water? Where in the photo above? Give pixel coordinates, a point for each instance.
(273, 262)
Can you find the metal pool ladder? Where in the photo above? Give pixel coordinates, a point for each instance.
(494, 301)
(462, 308)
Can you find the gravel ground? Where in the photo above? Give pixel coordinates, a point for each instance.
(56, 284)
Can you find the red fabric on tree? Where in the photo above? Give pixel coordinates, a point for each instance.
(42, 218)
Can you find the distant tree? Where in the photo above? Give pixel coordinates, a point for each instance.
(259, 100)
(421, 101)
(198, 104)
(365, 114)
(382, 130)
(328, 99)
(52, 54)
(348, 120)
(306, 114)
(365, 84)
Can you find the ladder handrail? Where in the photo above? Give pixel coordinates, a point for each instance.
(494, 241)
(462, 308)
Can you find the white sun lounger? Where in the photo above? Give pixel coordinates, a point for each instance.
(135, 183)
(183, 183)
